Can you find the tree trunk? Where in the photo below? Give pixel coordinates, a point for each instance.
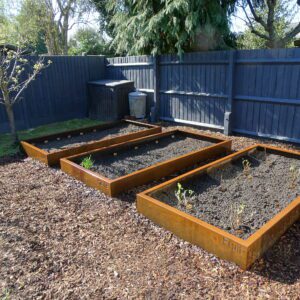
(12, 125)
(65, 29)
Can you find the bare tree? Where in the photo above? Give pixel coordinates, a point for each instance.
(263, 17)
(16, 73)
(62, 15)
(54, 18)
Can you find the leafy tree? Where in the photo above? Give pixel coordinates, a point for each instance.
(166, 26)
(28, 28)
(16, 73)
(48, 22)
(21, 27)
(87, 41)
(270, 22)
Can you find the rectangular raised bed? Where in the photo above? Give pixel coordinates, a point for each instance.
(153, 171)
(33, 148)
(218, 241)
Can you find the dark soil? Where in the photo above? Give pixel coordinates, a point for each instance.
(62, 240)
(117, 164)
(88, 137)
(238, 200)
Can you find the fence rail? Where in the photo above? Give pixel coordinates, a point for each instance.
(254, 92)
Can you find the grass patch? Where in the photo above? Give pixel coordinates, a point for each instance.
(8, 148)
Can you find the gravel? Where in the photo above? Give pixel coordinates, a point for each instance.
(62, 240)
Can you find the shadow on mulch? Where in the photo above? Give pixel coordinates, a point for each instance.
(11, 159)
(282, 262)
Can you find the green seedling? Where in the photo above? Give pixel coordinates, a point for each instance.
(87, 162)
(294, 174)
(183, 196)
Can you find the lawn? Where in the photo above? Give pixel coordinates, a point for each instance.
(8, 148)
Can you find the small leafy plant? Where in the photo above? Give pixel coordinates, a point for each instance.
(184, 196)
(294, 175)
(237, 215)
(87, 162)
(247, 168)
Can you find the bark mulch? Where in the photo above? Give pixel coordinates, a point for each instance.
(62, 240)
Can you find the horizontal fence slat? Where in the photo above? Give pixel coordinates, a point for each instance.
(129, 65)
(206, 62)
(270, 100)
(192, 123)
(170, 92)
(268, 61)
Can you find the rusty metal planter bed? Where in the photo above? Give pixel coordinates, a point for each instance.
(93, 137)
(198, 205)
(132, 161)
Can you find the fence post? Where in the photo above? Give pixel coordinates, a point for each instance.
(229, 104)
(155, 110)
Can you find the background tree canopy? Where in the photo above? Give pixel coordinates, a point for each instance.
(88, 41)
(131, 27)
(271, 23)
(164, 26)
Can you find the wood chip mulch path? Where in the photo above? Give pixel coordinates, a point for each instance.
(62, 240)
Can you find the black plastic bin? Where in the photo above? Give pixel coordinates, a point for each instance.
(108, 99)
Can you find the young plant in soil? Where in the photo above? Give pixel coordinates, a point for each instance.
(247, 168)
(294, 174)
(184, 196)
(87, 162)
(236, 216)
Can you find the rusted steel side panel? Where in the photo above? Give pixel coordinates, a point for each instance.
(35, 152)
(163, 169)
(267, 236)
(54, 157)
(211, 238)
(88, 177)
(193, 230)
(156, 171)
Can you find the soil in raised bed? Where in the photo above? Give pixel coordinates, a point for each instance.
(119, 163)
(88, 137)
(237, 199)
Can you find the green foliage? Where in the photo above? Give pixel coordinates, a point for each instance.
(167, 26)
(271, 24)
(87, 41)
(249, 40)
(23, 26)
(87, 162)
(184, 196)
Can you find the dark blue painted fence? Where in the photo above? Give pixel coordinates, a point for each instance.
(260, 87)
(59, 93)
(139, 69)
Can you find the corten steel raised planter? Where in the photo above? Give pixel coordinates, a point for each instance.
(52, 158)
(113, 187)
(209, 237)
